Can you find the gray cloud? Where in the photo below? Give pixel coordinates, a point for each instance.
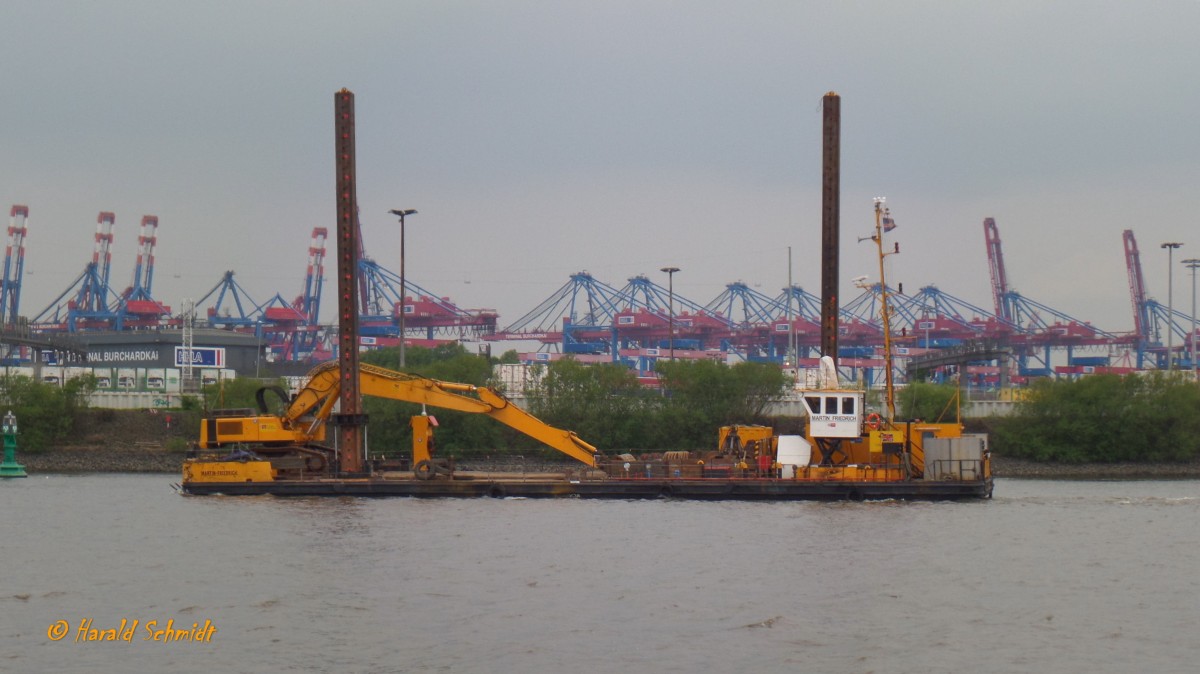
(540, 138)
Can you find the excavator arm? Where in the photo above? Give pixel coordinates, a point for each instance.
(312, 406)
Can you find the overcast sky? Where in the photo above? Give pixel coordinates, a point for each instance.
(539, 139)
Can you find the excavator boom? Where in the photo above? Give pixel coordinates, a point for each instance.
(311, 408)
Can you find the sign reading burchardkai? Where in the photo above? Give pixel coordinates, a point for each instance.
(125, 356)
(202, 356)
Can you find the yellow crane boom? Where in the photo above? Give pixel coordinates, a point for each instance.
(309, 411)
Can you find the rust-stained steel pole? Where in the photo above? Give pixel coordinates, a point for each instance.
(351, 420)
(830, 218)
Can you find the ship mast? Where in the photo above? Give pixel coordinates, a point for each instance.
(882, 216)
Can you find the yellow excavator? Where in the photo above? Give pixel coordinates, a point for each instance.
(244, 446)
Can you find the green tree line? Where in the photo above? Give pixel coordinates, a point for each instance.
(46, 414)
(1150, 417)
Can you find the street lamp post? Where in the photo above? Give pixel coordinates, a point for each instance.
(671, 308)
(1170, 246)
(1193, 264)
(402, 213)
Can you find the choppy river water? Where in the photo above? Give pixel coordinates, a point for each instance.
(1049, 576)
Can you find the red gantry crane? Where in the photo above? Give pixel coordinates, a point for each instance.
(102, 255)
(138, 306)
(1142, 325)
(14, 265)
(996, 264)
(309, 303)
(1150, 318)
(293, 331)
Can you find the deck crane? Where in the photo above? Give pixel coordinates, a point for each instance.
(14, 264)
(996, 264)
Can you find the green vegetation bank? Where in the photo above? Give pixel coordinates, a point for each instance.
(1152, 418)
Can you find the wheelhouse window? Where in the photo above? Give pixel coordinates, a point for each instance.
(831, 406)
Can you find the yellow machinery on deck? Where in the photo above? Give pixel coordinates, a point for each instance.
(853, 448)
(263, 447)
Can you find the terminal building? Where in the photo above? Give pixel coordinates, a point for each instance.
(148, 368)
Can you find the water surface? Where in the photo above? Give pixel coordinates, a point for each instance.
(1048, 576)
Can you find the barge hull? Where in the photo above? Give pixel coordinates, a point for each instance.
(708, 489)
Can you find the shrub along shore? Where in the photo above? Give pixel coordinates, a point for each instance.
(1098, 427)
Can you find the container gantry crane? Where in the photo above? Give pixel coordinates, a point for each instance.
(93, 304)
(219, 314)
(652, 315)
(291, 330)
(143, 272)
(1142, 325)
(1145, 324)
(996, 265)
(383, 294)
(309, 303)
(1151, 318)
(14, 264)
(94, 296)
(583, 302)
(308, 336)
(138, 307)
